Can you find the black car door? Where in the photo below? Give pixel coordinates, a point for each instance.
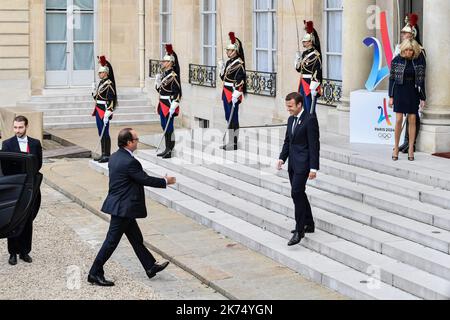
(19, 187)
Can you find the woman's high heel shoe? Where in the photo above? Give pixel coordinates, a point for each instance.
(395, 158)
(411, 158)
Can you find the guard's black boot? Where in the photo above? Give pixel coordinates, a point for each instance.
(233, 136)
(167, 145)
(107, 151)
(171, 144)
(101, 156)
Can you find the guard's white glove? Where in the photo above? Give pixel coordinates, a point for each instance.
(173, 106)
(221, 66)
(235, 96)
(93, 88)
(313, 87)
(298, 59)
(158, 80)
(108, 114)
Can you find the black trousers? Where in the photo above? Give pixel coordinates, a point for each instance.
(22, 243)
(117, 227)
(303, 213)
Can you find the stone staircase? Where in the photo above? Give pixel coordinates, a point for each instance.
(73, 110)
(382, 228)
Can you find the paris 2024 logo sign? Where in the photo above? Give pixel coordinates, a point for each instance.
(379, 72)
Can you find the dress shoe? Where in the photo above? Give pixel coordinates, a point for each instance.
(156, 268)
(103, 159)
(229, 147)
(296, 238)
(167, 155)
(100, 281)
(308, 229)
(26, 258)
(12, 259)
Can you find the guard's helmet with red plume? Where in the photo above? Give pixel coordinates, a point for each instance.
(234, 43)
(169, 56)
(411, 26)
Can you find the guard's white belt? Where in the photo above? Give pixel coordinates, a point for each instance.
(165, 97)
(102, 102)
(307, 76)
(228, 84)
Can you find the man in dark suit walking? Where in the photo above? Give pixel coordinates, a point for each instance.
(21, 244)
(301, 146)
(126, 203)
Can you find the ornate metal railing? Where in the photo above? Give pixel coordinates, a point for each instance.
(332, 92)
(154, 67)
(200, 75)
(262, 83)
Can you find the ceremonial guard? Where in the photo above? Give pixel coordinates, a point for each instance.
(105, 98)
(410, 31)
(168, 84)
(309, 65)
(233, 75)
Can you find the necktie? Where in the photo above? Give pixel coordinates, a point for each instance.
(28, 147)
(294, 125)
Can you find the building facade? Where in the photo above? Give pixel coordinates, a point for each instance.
(53, 44)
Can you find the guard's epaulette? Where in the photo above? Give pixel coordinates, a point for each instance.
(317, 53)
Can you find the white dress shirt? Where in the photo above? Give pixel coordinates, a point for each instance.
(23, 143)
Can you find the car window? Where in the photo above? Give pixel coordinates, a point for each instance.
(10, 167)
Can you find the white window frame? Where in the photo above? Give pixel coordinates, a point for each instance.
(169, 27)
(325, 52)
(272, 29)
(203, 13)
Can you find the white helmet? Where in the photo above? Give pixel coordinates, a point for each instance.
(103, 69)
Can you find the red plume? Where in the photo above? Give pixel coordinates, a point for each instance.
(232, 37)
(169, 49)
(413, 19)
(309, 26)
(103, 60)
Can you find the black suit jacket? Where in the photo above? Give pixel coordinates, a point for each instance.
(126, 196)
(303, 146)
(12, 145)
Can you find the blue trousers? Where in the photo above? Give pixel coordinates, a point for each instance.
(100, 125)
(307, 100)
(227, 107)
(164, 119)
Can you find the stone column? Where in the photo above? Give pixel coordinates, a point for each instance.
(141, 15)
(435, 133)
(356, 58)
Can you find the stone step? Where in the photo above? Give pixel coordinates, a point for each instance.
(273, 192)
(432, 173)
(88, 117)
(420, 191)
(63, 98)
(87, 103)
(367, 196)
(88, 111)
(91, 123)
(313, 265)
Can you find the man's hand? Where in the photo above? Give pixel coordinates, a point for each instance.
(422, 104)
(108, 114)
(280, 164)
(298, 58)
(391, 102)
(235, 96)
(170, 180)
(158, 79)
(173, 107)
(221, 66)
(312, 175)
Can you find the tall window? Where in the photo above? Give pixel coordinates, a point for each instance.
(208, 27)
(265, 35)
(333, 46)
(165, 14)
